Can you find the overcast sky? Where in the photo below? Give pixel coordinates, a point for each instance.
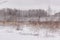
(32, 4)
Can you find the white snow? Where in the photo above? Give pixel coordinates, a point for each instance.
(10, 33)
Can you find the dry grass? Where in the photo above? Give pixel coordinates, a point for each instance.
(36, 24)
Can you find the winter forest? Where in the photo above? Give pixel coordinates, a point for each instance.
(31, 24)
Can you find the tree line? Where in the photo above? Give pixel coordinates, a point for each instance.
(14, 14)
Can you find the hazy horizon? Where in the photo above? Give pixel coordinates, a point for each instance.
(32, 4)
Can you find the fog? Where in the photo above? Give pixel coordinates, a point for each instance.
(32, 4)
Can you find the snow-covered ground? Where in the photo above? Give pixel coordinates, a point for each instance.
(27, 33)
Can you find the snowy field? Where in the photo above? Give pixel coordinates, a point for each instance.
(28, 33)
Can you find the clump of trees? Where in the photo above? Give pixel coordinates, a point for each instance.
(15, 14)
(57, 14)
